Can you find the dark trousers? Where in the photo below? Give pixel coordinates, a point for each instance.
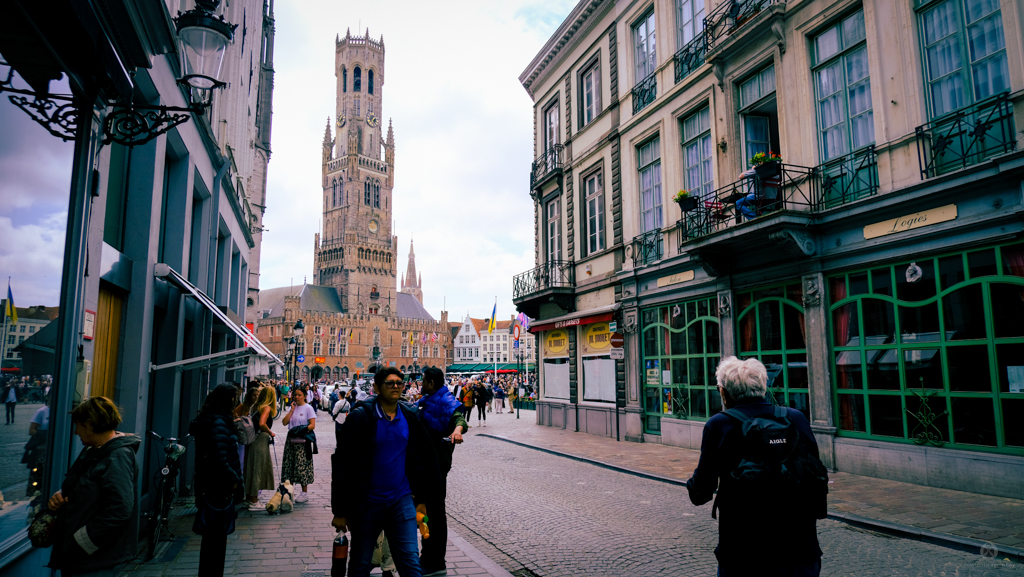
(10, 411)
(809, 570)
(434, 548)
(212, 553)
(481, 413)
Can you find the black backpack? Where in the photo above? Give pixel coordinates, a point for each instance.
(776, 466)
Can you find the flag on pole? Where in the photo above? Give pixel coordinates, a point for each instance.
(11, 311)
(423, 337)
(339, 334)
(433, 338)
(494, 313)
(411, 337)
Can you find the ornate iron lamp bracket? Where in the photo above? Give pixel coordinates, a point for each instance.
(60, 120)
(138, 124)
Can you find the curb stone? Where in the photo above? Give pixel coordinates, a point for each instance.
(903, 531)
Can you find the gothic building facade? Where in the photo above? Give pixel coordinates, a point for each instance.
(353, 312)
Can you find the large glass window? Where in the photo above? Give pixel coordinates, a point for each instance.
(689, 21)
(593, 191)
(965, 53)
(649, 155)
(643, 45)
(942, 337)
(697, 148)
(680, 345)
(554, 236)
(770, 328)
(590, 92)
(759, 112)
(843, 88)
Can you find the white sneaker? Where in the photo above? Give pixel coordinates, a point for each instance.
(302, 497)
(257, 506)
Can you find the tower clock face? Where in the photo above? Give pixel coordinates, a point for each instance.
(374, 226)
(341, 120)
(371, 119)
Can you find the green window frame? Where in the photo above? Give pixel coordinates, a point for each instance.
(770, 327)
(682, 339)
(937, 360)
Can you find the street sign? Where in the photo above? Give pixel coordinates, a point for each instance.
(616, 340)
(515, 344)
(617, 354)
(613, 326)
(515, 332)
(300, 359)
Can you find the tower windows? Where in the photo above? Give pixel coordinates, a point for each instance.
(344, 79)
(366, 192)
(376, 194)
(357, 79)
(369, 78)
(334, 194)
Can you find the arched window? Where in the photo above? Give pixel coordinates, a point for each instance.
(369, 78)
(344, 79)
(366, 192)
(357, 79)
(334, 194)
(376, 194)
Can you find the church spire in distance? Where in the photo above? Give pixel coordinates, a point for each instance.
(411, 284)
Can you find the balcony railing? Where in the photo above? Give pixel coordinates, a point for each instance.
(647, 248)
(552, 274)
(848, 178)
(691, 56)
(780, 187)
(374, 295)
(729, 16)
(966, 137)
(645, 92)
(547, 164)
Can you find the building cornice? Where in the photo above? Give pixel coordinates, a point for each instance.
(553, 47)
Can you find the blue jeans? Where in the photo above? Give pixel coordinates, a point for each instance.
(746, 206)
(398, 521)
(809, 570)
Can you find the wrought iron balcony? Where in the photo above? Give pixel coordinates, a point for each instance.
(647, 248)
(374, 295)
(691, 56)
(556, 274)
(730, 15)
(847, 178)
(966, 137)
(776, 188)
(645, 92)
(547, 165)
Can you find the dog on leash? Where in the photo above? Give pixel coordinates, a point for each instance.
(282, 500)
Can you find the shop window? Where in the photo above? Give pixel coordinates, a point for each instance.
(598, 366)
(681, 351)
(955, 340)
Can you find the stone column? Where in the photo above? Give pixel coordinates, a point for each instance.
(632, 422)
(820, 385)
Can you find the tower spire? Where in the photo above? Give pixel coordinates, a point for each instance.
(411, 283)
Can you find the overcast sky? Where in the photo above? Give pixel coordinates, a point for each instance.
(463, 134)
(463, 138)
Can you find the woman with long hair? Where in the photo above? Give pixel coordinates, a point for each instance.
(297, 465)
(259, 471)
(218, 481)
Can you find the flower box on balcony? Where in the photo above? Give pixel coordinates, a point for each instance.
(768, 169)
(687, 203)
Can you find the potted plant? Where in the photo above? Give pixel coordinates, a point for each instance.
(766, 165)
(685, 200)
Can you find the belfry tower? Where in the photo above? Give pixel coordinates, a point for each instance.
(355, 253)
(410, 283)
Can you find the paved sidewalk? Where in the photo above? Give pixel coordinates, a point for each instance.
(955, 518)
(296, 544)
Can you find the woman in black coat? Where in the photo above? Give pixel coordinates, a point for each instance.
(218, 480)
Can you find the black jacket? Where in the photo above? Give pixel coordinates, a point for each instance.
(353, 459)
(98, 527)
(218, 473)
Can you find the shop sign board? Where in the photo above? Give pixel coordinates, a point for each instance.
(911, 221)
(617, 354)
(320, 360)
(675, 278)
(595, 338)
(557, 342)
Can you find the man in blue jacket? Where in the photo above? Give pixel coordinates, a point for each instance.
(392, 471)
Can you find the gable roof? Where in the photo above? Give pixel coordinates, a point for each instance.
(409, 307)
(311, 298)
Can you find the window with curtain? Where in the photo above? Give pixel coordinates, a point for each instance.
(758, 86)
(644, 48)
(770, 328)
(649, 156)
(593, 191)
(965, 53)
(689, 21)
(697, 147)
(843, 88)
(954, 336)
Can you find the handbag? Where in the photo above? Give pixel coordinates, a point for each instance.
(245, 430)
(40, 532)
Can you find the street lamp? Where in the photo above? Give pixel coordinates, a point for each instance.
(298, 330)
(291, 353)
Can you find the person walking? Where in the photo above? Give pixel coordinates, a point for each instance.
(245, 409)
(481, 397)
(297, 465)
(98, 522)
(499, 398)
(259, 470)
(339, 412)
(468, 394)
(391, 466)
(218, 481)
(10, 397)
(441, 414)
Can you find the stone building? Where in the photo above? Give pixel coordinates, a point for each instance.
(353, 312)
(875, 268)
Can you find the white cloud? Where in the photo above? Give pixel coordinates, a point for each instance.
(463, 134)
(33, 254)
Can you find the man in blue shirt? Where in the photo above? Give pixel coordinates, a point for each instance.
(384, 470)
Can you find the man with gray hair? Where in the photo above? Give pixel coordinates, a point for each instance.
(771, 484)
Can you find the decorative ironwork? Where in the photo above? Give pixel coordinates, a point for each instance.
(552, 274)
(136, 125)
(729, 16)
(926, 417)
(848, 178)
(60, 120)
(690, 57)
(647, 248)
(966, 137)
(645, 92)
(549, 163)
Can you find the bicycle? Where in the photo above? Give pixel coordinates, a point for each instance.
(166, 491)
